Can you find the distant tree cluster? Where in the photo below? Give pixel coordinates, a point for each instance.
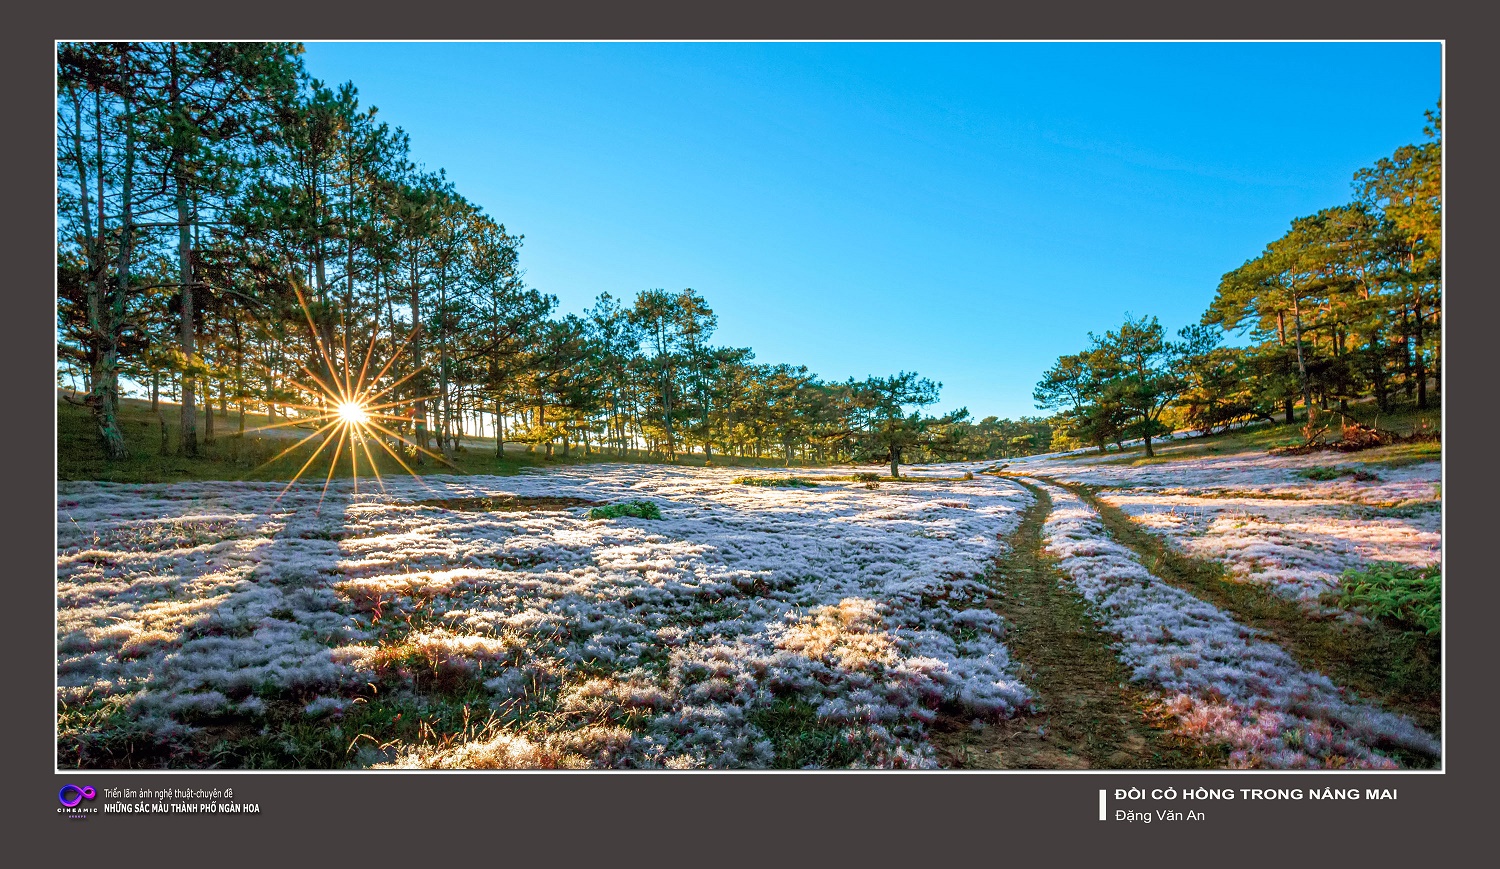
(1347, 305)
(1122, 384)
(230, 228)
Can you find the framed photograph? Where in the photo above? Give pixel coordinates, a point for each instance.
(819, 413)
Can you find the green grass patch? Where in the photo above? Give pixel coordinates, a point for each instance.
(288, 738)
(1141, 461)
(1265, 437)
(1410, 597)
(705, 612)
(801, 739)
(1402, 511)
(631, 509)
(1257, 438)
(1398, 455)
(1244, 494)
(102, 733)
(1403, 419)
(506, 503)
(1320, 473)
(777, 482)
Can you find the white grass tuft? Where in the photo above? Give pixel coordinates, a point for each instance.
(658, 642)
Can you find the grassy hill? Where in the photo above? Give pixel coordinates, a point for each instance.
(252, 456)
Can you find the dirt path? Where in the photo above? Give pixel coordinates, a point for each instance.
(1400, 671)
(1089, 715)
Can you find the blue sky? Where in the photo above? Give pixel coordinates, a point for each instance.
(969, 211)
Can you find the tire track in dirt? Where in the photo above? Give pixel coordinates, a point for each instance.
(1088, 714)
(1400, 672)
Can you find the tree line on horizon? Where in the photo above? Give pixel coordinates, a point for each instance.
(1346, 306)
(230, 228)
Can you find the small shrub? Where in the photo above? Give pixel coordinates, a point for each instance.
(1326, 473)
(632, 509)
(1320, 473)
(782, 482)
(1409, 596)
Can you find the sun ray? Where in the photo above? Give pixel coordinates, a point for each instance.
(344, 337)
(394, 385)
(299, 443)
(426, 452)
(423, 450)
(403, 464)
(364, 367)
(391, 361)
(353, 457)
(328, 391)
(302, 420)
(369, 407)
(313, 408)
(296, 476)
(333, 465)
(317, 339)
(374, 468)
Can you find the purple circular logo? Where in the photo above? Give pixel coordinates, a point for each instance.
(72, 795)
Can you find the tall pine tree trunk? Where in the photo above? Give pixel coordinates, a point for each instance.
(1377, 372)
(188, 434)
(1301, 363)
(1281, 335)
(444, 398)
(499, 429)
(1420, 354)
(1407, 385)
(104, 298)
(208, 400)
(666, 398)
(419, 408)
(187, 438)
(239, 370)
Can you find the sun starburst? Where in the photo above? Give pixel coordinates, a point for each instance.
(352, 408)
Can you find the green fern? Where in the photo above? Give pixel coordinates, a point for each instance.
(1405, 595)
(633, 509)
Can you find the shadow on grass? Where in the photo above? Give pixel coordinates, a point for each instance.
(255, 614)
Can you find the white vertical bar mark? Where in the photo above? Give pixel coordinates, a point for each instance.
(1102, 815)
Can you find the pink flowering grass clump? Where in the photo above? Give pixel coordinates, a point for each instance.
(748, 626)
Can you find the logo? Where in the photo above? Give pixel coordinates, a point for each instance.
(71, 795)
